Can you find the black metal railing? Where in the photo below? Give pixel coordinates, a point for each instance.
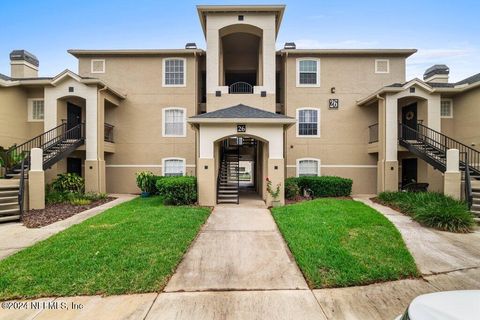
(23, 150)
(373, 133)
(108, 132)
(63, 143)
(443, 143)
(240, 88)
(467, 181)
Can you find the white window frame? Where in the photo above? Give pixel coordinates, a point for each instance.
(451, 108)
(174, 158)
(317, 60)
(30, 110)
(164, 134)
(297, 173)
(382, 60)
(97, 60)
(184, 73)
(298, 123)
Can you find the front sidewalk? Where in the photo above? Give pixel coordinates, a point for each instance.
(14, 236)
(240, 268)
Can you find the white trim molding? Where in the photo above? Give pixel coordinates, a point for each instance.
(297, 173)
(184, 119)
(174, 158)
(297, 131)
(297, 71)
(164, 61)
(358, 166)
(142, 165)
(93, 61)
(382, 60)
(451, 108)
(30, 103)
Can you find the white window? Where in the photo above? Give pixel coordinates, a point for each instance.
(382, 66)
(446, 110)
(308, 167)
(174, 72)
(308, 72)
(174, 122)
(98, 66)
(308, 122)
(173, 167)
(36, 109)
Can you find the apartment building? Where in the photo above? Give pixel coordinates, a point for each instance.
(289, 112)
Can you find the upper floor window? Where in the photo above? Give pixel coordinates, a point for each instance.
(308, 167)
(446, 108)
(308, 72)
(174, 122)
(174, 72)
(173, 167)
(36, 109)
(382, 66)
(308, 122)
(97, 66)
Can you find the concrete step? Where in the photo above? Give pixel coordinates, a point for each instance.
(8, 205)
(9, 212)
(8, 199)
(10, 218)
(222, 191)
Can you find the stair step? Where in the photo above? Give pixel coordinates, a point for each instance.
(10, 218)
(7, 204)
(8, 212)
(8, 199)
(233, 191)
(227, 195)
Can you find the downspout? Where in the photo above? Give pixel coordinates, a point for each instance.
(379, 97)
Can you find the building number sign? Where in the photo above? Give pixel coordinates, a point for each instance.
(241, 128)
(333, 103)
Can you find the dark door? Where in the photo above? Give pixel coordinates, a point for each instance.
(74, 115)
(409, 171)
(74, 165)
(409, 119)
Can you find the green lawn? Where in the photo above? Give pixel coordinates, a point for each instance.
(339, 243)
(133, 247)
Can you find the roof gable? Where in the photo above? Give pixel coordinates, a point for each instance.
(241, 111)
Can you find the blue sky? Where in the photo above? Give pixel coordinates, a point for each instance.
(443, 31)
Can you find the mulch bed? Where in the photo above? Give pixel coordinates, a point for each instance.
(301, 199)
(56, 212)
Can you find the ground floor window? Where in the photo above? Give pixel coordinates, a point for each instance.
(308, 167)
(173, 167)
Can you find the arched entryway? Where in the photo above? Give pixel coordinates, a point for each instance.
(241, 164)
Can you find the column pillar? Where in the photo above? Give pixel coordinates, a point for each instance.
(36, 180)
(452, 179)
(207, 182)
(276, 174)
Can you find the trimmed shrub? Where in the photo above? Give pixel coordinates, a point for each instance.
(68, 183)
(292, 190)
(178, 190)
(325, 186)
(80, 202)
(431, 209)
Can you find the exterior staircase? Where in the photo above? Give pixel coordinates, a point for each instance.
(228, 179)
(431, 146)
(56, 143)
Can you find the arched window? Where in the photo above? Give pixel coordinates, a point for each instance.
(173, 166)
(308, 167)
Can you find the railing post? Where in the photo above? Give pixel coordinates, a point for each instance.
(452, 179)
(36, 180)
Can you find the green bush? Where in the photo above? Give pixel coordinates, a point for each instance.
(68, 183)
(80, 202)
(146, 181)
(325, 186)
(292, 190)
(431, 209)
(178, 190)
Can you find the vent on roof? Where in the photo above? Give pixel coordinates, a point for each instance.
(290, 45)
(191, 45)
(98, 66)
(437, 73)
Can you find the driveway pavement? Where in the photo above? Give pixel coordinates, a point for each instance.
(240, 268)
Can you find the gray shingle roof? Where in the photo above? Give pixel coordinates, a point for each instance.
(472, 79)
(241, 111)
(4, 77)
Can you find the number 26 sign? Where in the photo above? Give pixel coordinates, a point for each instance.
(333, 103)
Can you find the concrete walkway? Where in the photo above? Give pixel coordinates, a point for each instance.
(240, 268)
(14, 236)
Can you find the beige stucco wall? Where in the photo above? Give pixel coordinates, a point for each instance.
(139, 143)
(466, 113)
(342, 145)
(14, 125)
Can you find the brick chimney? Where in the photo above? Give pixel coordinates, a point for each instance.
(437, 74)
(23, 64)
